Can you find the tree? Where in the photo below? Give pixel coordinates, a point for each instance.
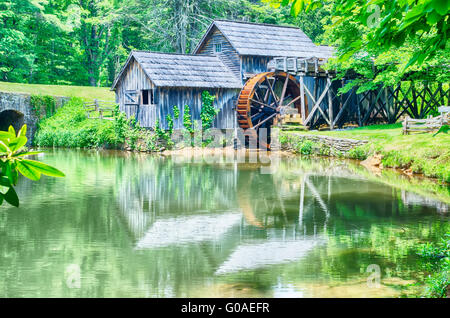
(175, 25)
(99, 35)
(384, 42)
(400, 21)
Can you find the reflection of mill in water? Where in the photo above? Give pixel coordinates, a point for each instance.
(244, 218)
(238, 217)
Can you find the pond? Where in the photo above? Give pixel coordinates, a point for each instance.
(138, 225)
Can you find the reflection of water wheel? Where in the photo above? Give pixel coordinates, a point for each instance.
(263, 98)
(261, 199)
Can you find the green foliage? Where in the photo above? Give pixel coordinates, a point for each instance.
(208, 111)
(169, 124)
(165, 135)
(384, 42)
(70, 128)
(176, 112)
(358, 153)
(437, 261)
(12, 161)
(43, 105)
(422, 153)
(120, 124)
(151, 142)
(86, 42)
(306, 147)
(159, 132)
(132, 132)
(187, 120)
(444, 129)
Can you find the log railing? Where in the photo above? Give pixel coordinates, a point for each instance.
(426, 125)
(100, 109)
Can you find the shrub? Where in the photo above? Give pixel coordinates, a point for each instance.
(69, 127)
(305, 147)
(437, 261)
(187, 120)
(208, 111)
(359, 153)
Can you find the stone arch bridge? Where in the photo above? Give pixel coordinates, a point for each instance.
(16, 110)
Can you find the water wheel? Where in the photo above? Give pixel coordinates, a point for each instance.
(264, 97)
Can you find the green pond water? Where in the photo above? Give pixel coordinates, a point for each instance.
(136, 225)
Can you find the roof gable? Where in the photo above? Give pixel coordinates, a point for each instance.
(181, 70)
(266, 40)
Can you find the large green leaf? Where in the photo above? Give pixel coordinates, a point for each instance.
(4, 135)
(441, 6)
(43, 168)
(22, 131)
(11, 197)
(297, 6)
(18, 143)
(4, 184)
(4, 147)
(11, 172)
(27, 171)
(28, 153)
(12, 131)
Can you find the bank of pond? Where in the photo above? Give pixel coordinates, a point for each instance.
(424, 153)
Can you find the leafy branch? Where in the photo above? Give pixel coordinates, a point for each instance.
(12, 161)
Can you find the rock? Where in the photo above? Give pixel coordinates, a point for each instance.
(373, 163)
(408, 172)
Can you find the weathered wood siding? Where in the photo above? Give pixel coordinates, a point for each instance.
(169, 97)
(134, 79)
(229, 56)
(254, 64)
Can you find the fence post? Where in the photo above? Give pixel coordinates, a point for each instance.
(405, 126)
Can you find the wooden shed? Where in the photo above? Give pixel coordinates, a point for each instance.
(150, 84)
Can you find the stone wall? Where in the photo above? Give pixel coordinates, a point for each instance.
(15, 109)
(333, 144)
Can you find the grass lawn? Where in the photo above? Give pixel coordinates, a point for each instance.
(421, 152)
(87, 93)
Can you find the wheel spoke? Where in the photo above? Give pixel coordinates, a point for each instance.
(262, 104)
(284, 91)
(272, 92)
(262, 122)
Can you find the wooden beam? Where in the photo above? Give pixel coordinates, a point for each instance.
(343, 107)
(284, 91)
(330, 105)
(302, 96)
(316, 104)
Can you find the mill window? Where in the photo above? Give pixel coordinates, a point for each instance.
(147, 97)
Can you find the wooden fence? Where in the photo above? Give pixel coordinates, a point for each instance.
(427, 125)
(100, 109)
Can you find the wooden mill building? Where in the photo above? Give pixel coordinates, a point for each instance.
(230, 52)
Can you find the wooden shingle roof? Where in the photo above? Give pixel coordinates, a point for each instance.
(182, 70)
(268, 40)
